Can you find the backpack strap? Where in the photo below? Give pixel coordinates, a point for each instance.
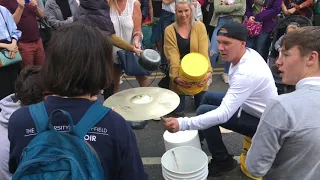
(40, 116)
(94, 114)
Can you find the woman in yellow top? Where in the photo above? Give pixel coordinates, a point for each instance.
(180, 38)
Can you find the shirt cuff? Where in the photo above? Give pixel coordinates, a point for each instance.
(183, 124)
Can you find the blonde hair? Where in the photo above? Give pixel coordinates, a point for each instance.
(192, 8)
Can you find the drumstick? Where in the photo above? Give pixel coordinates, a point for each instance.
(163, 119)
(175, 160)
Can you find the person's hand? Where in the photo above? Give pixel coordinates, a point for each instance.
(205, 80)
(137, 42)
(33, 3)
(137, 51)
(12, 47)
(171, 124)
(223, 2)
(69, 19)
(286, 12)
(182, 83)
(21, 3)
(292, 10)
(252, 19)
(12, 54)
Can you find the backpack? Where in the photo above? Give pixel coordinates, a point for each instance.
(61, 155)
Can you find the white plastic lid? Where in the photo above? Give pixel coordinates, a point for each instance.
(179, 137)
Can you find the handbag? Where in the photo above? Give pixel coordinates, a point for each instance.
(130, 64)
(6, 61)
(45, 32)
(254, 28)
(4, 55)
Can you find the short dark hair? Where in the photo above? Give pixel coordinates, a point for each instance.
(28, 86)
(307, 39)
(78, 61)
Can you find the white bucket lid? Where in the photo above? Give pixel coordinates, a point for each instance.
(179, 137)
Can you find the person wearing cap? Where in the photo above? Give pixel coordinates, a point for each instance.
(225, 11)
(286, 144)
(240, 108)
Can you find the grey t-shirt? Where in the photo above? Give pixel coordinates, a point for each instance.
(286, 145)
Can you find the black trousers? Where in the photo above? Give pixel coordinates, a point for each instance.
(8, 76)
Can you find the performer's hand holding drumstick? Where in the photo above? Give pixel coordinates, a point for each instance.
(171, 124)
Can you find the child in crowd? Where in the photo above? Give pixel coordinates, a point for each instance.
(291, 27)
(28, 91)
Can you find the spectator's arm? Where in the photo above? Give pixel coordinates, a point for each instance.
(12, 27)
(270, 12)
(17, 14)
(220, 8)
(167, 2)
(305, 4)
(150, 11)
(116, 41)
(51, 17)
(137, 21)
(284, 8)
(39, 12)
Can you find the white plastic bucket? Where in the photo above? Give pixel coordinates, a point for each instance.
(181, 138)
(184, 163)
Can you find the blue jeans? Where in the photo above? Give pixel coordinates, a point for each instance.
(214, 43)
(245, 125)
(197, 100)
(260, 44)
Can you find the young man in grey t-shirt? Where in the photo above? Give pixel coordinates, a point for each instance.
(286, 143)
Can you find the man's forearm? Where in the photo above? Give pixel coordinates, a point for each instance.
(39, 12)
(17, 14)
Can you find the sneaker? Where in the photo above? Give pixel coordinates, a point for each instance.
(225, 78)
(209, 82)
(121, 79)
(217, 169)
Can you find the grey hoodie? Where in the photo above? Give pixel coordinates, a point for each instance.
(8, 105)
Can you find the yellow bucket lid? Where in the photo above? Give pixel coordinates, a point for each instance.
(194, 65)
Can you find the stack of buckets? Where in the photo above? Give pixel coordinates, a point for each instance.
(184, 159)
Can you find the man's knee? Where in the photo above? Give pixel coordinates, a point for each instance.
(205, 108)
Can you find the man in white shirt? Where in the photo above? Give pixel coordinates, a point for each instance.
(286, 144)
(251, 87)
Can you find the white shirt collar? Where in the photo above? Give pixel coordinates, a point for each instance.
(315, 81)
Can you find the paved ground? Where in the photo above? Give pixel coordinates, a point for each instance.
(150, 140)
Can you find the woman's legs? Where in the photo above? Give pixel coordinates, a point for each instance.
(116, 79)
(143, 81)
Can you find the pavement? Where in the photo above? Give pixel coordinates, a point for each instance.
(150, 139)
